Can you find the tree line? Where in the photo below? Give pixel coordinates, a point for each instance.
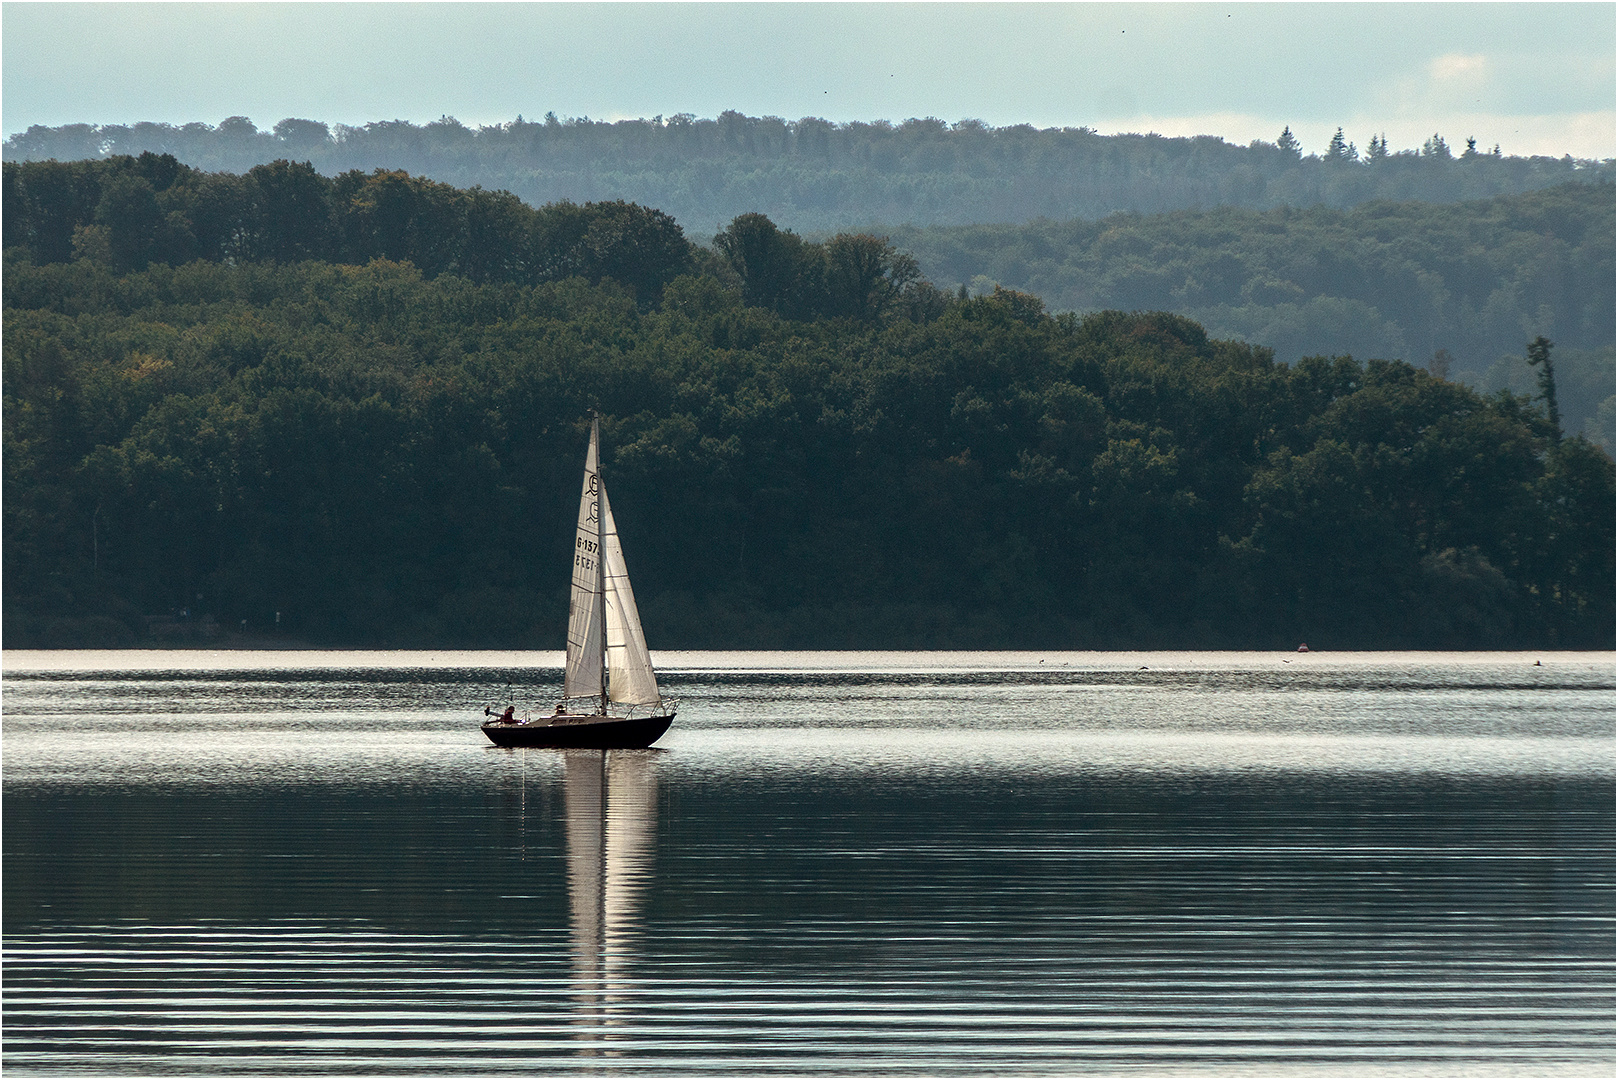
(132, 212)
(364, 453)
(1460, 287)
(815, 176)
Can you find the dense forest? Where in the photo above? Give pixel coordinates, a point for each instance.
(1458, 288)
(235, 406)
(814, 176)
(1467, 283)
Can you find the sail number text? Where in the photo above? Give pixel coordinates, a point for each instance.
(584, 555)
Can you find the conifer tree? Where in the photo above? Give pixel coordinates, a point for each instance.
(1436, 147)
(1337, 150)
(1539, 356)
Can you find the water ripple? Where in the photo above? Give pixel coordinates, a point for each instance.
(927, 868)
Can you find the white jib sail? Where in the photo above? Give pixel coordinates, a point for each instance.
(629, 666)
(587, 611)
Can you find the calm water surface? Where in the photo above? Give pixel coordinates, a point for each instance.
(856, 863)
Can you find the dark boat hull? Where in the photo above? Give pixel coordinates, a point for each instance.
(603, 733)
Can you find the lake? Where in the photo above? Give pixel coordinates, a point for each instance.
(834, 863)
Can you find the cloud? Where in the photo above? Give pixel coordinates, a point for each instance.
(1586, 134)
(1454, 68)
(1239, 71)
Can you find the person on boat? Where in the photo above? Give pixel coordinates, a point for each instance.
(505, 717)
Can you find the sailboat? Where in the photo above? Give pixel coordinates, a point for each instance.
(610, 697)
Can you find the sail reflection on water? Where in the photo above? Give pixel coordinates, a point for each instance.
(611, 798)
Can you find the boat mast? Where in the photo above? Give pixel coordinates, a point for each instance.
(601, 553)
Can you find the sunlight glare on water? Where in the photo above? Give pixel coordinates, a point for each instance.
(834, 863)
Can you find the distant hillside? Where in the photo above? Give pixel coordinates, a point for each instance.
(1459, 288)
(1394, 280)
(811, 175)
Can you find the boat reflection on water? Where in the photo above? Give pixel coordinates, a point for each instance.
(611, 798)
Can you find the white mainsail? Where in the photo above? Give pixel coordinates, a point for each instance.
(630, 680)
(603, 628)
(586, 621)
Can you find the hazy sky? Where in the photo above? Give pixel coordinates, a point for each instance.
(1535, 78)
